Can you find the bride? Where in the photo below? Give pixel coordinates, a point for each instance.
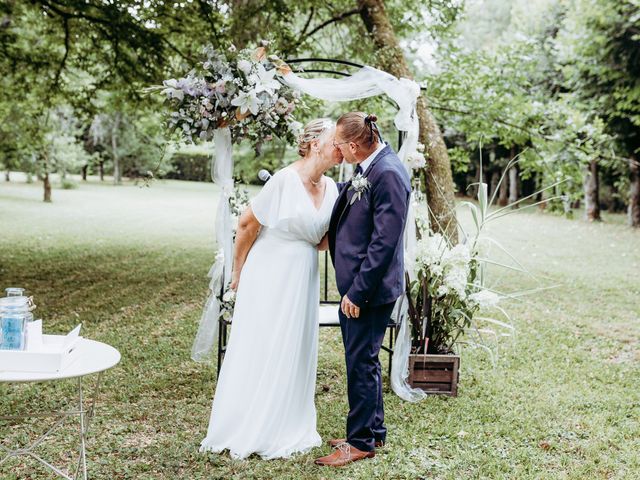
(264, 400)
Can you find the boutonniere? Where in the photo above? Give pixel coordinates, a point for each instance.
(359, 184)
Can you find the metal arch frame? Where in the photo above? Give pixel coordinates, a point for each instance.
(224, 324)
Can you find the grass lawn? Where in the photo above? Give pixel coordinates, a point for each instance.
(130, 263)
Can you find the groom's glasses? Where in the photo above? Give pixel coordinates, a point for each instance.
(336, 144)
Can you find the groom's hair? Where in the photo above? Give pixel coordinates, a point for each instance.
(359, 127)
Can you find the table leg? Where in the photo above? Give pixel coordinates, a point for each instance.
(85, 418)
(84, 415)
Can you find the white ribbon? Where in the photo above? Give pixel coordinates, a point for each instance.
(220, 272)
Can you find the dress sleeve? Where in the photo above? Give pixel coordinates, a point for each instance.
(274, 205)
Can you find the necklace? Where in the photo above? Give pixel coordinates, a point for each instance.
(315, 184)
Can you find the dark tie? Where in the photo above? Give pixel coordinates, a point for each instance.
(358, 170)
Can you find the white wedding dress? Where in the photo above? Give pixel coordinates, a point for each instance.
(264, 400)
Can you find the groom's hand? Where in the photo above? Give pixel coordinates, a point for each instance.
(350, 309)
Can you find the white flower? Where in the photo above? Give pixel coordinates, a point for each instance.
(420, 147)
(264, 80)
(455, 280)
(247, 101)
(430, 250)
(436, 270)
(359, 184)
(455, 265)
(295, 127)
(244, 66)
(442, 290)
(281, 106)
(229, 296)
(172, 90)
(458, 256)
(484, 299)
(416, 160)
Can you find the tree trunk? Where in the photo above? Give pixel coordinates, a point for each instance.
(46, 182)
(47, 188)
(114, 149)
(84, 172)
(503, 198)
(440, 188)
(101, 170)
(513, 185)
(7, 176)
(592, 192)
(634, 191)
(495, 178)
(488, 167)
(514, 178)
(537, 182)
(472, 189)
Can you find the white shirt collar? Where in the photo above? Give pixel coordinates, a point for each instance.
(367, 161)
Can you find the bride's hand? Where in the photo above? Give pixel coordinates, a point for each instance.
(235, 279)
(324, 243)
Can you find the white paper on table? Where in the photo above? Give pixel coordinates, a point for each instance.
(72, 336)
(52, 343)
(34, 335)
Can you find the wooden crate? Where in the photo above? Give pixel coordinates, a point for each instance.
(437, 374)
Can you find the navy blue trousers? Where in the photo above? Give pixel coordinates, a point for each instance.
(362, 338)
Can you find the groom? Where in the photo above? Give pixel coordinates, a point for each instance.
(365, 241)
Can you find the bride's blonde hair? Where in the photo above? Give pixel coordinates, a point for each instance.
(312, 131)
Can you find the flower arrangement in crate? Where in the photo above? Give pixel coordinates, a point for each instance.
(238, 89)
(448, 298)
(446, 294)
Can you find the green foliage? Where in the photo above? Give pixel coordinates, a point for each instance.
(68, 184)
(598, 47)
(191, 163)
(65, 153)
(132, 133)
(516, 84)
(557, 78)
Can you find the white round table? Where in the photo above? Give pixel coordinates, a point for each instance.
(91, 357)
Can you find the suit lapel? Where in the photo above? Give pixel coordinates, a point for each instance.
(344, 209)
(340, 198)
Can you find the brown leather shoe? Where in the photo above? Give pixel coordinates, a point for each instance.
(333, 443)
(343, 455)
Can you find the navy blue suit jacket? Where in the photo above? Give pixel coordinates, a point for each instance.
(366, 237)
